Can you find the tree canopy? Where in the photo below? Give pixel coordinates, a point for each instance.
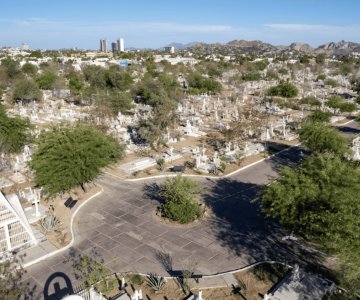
(11, 286)
(320, 201)
(69, 156)
(14, 132)
(320, 137)
(199, 84)
(312, 101)
(29, 69)
(180, 194)
(320, 116)
(283, 89)
(26, 90)
(46, 80)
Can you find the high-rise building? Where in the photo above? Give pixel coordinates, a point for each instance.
(25, 46)
(121, 45)
(103, 45)
(114, 47)
(170, 49)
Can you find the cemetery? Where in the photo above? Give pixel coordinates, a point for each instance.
(102, 140)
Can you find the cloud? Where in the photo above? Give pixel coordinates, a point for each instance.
(313, 28)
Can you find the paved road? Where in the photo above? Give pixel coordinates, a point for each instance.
(118, 229)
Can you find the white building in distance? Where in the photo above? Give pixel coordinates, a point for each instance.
(120, 45)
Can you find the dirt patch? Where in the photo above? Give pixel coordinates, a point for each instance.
(253, 284)
(61, 237)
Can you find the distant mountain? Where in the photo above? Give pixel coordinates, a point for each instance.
(301, 47)
(341, 47)
(249, 44)
(180, 46)
(338, 48)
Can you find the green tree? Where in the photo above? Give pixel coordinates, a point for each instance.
(283, 89)
(14, 132)
(46, 80)
(320, 137)
(320, 201)
(12, 67)
(181, 204)
(96, 76)
(320, 58)
(119, 79)
(26, 90)
(36, 54)
(116, 101)
(320, 116)
(199, 84)
(29, 69)
(311, 100)
(69, 156)
(348, 107)
(11, 286)
(305, 59)
(76, 84)
(334, 102)
(93, 273)
(251, 76)
(161, 163)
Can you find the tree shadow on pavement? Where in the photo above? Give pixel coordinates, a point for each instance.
(241, 227)
(152, 192)
(290, 157)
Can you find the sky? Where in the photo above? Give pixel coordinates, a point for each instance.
(156, 23)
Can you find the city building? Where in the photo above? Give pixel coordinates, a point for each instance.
(121, 45)
(114, 47)
(169, 49)
(25, 47)
(103, 45)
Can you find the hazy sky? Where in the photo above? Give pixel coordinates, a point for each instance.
(155, 23)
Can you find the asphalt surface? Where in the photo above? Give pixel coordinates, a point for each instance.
(118, 229)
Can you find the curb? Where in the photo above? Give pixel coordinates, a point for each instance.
(46, 256)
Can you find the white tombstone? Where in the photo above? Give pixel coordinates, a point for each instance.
(296, 273)
(140, 296)
(122, 284)
(216, 116)
(17, 164)
(198, 161)
(135, 296)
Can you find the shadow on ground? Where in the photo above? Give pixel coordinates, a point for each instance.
(239, 225)
(290, 158)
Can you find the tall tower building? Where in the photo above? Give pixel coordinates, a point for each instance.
(121, 45)
(114, 47)
(103, 45)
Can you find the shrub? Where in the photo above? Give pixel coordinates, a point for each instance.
(320, 116)
(283, 89)
(136, 279)
(156, 282)
(180, 195)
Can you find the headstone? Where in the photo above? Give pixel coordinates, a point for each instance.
(122, 284)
